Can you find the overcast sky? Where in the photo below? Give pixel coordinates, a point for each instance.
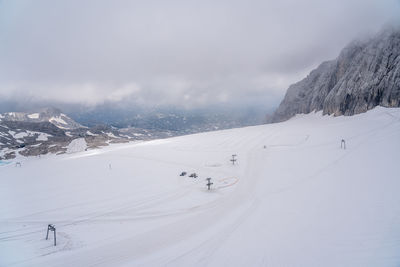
(194, 53)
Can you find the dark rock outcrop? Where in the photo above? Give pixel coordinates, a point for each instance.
(366, 74)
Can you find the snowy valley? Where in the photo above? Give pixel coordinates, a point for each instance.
(293, 198)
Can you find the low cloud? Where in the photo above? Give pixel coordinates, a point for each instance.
(189, 53)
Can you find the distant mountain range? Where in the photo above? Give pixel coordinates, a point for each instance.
(49, 130)
(366, 74)
(50, 115)
(172, 119)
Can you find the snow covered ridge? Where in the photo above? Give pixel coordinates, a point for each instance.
(51, 115)
(293, 198)
(34, 139)
(50, 131)
(34, 116)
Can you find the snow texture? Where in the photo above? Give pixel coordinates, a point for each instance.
(43, 137)
(21, 135)
(90, 133)
(294, 198)
(57, 119)
(112, 135)
(34, 116)
(77, 145)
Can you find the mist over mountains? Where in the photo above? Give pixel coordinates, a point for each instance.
(366, 74)
(172, 118)
(49, 130)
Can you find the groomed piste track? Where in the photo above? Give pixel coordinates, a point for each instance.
(294, 198)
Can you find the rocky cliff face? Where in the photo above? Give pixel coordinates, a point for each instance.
(366, 74)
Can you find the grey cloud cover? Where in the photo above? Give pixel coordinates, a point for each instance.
(173, 52)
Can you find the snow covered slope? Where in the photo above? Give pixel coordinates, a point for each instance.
(300, 201)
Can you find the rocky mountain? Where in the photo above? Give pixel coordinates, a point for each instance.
(366, 74)
(50, 131)
(51, 115)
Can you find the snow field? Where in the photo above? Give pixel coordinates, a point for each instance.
(301, 201)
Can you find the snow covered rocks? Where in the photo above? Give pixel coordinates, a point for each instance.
(77, 145)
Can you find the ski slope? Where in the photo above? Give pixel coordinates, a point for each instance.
(300, 201)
